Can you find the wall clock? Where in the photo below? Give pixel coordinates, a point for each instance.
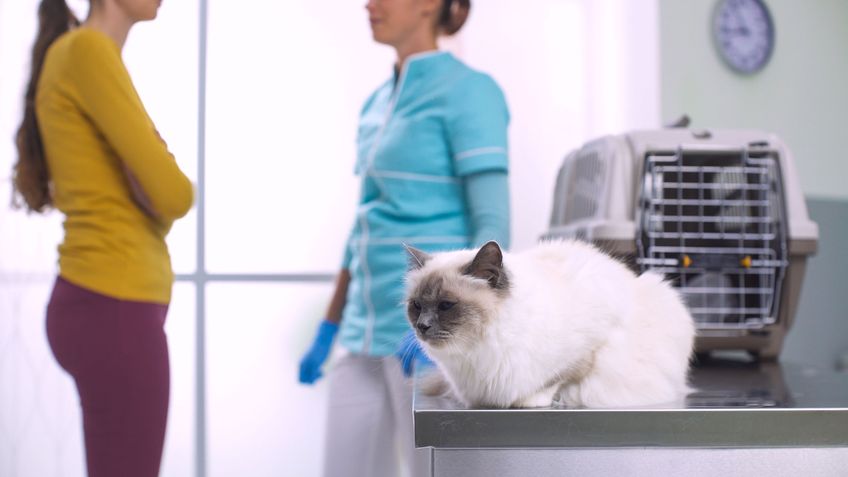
(744, 34)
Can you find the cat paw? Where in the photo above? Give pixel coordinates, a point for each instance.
(543, 398)
(434, 383)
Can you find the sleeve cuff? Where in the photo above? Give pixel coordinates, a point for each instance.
(481, 159)
(348, 255)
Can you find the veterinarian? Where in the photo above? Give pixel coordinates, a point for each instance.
(432, 156)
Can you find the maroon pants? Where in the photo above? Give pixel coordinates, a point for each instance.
(117, 353)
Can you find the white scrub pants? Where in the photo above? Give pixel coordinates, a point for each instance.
(369, 424)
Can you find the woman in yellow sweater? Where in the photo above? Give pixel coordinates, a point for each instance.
(88, 148)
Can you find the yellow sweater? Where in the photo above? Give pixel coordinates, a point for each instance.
(93, 126)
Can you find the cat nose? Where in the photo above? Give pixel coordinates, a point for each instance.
(422, 327)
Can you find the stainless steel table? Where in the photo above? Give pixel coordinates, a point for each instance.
(744, 419)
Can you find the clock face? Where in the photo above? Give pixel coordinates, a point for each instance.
(744, 34)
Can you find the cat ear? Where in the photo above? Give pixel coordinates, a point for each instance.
(488, 265)
(417, 258)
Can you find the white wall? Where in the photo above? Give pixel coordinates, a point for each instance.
(801, 93)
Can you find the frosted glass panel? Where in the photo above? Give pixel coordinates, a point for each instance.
(178, 456)
(27, 244)
(261, 421)
(286, 81)
(40, 419)
(39, 413)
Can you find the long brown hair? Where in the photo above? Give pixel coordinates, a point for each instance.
(453, 15)
(30, 177)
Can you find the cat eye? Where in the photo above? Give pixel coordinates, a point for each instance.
(416, 305)
(446, 305)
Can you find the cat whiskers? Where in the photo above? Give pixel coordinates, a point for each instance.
(442, 338)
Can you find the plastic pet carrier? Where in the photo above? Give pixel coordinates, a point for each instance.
(720, 213)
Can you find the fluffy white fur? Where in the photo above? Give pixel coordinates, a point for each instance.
(573, 326)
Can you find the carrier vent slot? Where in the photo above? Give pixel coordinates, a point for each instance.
(585, 183)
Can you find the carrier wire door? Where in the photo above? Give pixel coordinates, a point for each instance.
(713, 223)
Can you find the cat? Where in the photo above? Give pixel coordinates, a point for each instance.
(560, 323)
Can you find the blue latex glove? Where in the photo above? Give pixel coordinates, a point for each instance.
(411, 354)
(310, 365)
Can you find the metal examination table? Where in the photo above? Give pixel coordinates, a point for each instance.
(744, 419)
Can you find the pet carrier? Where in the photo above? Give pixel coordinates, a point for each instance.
(720, 213)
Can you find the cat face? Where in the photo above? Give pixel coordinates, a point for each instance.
(451, 297)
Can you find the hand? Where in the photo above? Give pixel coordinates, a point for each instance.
(411, 354)
(310, 364)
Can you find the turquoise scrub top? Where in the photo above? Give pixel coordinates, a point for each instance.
(419, 135)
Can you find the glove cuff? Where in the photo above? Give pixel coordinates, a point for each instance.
(327, 331)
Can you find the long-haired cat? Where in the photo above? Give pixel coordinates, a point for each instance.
(560, 322)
